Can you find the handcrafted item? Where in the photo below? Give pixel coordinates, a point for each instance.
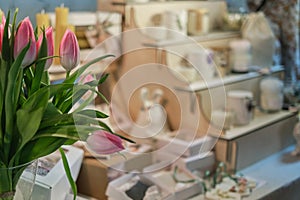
(233, 21)
(257, 30)
(179, 183)
(152, 118)
(198, 21)
(42, 21)
(134, 186)
(220, 184)
(240, 102)
(240, 55)
(271, 94)
(61, 25)
(202, 61)
(175, 21)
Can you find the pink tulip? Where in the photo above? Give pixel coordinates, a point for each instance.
(87, 78)
(1, 36)
(50, 45)
(103, 142)
(2, 24)
(25, 34)
(3, 20)
(69, 51)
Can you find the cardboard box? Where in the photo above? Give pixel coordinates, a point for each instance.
(162, 179)
(115, 190)
(97, 172)
(176, 190)
(93, 179)
(51, 182)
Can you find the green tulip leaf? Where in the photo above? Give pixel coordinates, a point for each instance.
(66, 131)
(68, 172)
(79, 71)
(5, 43)
(39, 67)
(33, 107)
(11, 99)
(51, 111)
(103, 78)
(36, 148)
(93, 113)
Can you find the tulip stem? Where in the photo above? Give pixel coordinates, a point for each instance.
(68, 74)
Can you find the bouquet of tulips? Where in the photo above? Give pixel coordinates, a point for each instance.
(38, 117)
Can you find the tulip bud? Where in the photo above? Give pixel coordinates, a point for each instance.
(86, 79)
(69, 51)
(1, 36)
(2, 24)
(24, 35)
(3, 19)
(50, 46)
(103, 142)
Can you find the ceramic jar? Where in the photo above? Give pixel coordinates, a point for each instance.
(240, 55)
(241, 104)
(271, 94)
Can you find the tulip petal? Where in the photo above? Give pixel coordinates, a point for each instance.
(69, 51)
(24, 35)
(1, 36)
(103, 142)
(50, 46)
(3, 19)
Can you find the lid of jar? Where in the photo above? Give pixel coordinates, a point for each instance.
(240, 94)
(271, 84)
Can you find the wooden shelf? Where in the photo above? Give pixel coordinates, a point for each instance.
(217, 35)
(259, 121)
(229, 79)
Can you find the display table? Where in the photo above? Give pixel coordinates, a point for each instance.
(280, 174)
(266, 134)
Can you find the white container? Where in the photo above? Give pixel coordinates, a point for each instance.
(271, 94)
(240, 55)
(198, 21)
(184, 143)
(240, 103)
(175, 22)
(114, 190)
(202, 61)
(53, 184)
(199, 163)
(164, 179)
